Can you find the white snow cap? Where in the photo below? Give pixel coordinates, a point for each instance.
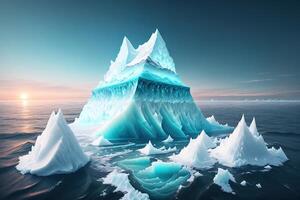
(56, 150)
(154, 50)
(195, 154)
(242, 147)
(149, 149)
(222, 179)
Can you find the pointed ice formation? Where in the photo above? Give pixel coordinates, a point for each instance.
(253, 128)
(222, 179)
(156, 51)
(242, 147)
(56, 150)
(101, 141)
(149, 149)
(213, 121)
(142, 97)
(195, 154)
(168, 140)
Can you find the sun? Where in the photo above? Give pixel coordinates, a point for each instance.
(23, 96)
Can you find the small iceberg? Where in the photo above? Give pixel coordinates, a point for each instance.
(213, 121)
(243, 147)
(56, 150)
(195, 154)
(258, 185)
(149, 149)
(243, 183)
(121, 182)
(222, 179)
(168, 140)
(101, 141)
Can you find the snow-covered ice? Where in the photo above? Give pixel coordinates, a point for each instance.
(121, 182)
(101, 141)
(142, 97)
(242, 147)
(56, 150)
(253, 128)
(243, 183)
(222, 179)
(168, 140)
(149, 149)
(195, 154)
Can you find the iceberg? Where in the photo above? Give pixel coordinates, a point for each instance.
(195, 154)
(213, 121)
(56, 150)
(121, 182)
(258, 185)
(222, 179)
(149, 149)
(243, 147)
(142, 97)
(168, 140)
(101, 141)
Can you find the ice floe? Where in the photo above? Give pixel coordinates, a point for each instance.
(149, 149)
(222, 179)
(101, 141)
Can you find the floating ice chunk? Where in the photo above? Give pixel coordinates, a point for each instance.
(122, 184)
(243, 183)
(253, 128)
(149, 149)
(168, 140)
(56, 150)
(242, 148)
(222, 179)
(258, 185)
(213, 121)
(101, 141)
(268, 167)
(195, 154)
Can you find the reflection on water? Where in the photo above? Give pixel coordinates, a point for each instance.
(31, 116)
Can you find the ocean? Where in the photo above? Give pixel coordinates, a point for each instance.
(21, 123)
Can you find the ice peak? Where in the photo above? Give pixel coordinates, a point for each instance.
(253, 128)
(154, 49)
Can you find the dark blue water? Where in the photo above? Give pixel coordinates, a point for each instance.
(20, 124)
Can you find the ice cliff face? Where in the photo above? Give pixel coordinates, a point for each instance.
(142, 97)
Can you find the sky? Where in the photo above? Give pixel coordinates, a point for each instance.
(221, 49)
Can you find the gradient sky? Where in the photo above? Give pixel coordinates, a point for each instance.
(222, 49)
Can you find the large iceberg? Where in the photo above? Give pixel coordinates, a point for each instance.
(142, 97)
(195, 154)
(56, 150)
(245, 146)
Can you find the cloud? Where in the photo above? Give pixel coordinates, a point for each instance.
(257, 80)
